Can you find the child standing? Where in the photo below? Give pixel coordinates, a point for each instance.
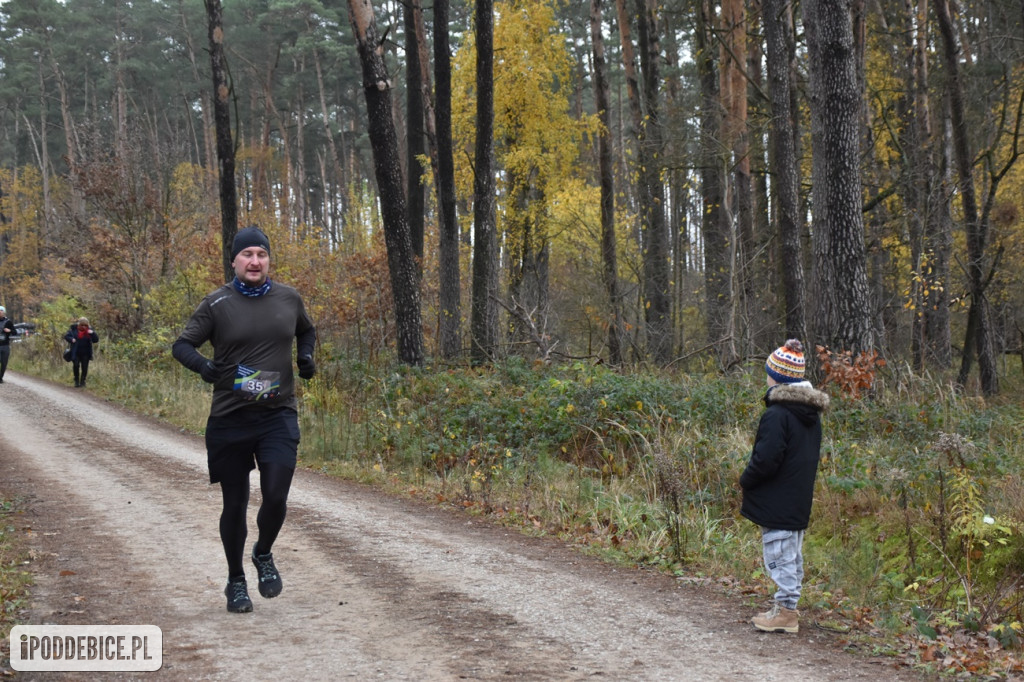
(778, 482)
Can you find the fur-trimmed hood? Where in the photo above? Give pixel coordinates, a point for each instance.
(798, 393)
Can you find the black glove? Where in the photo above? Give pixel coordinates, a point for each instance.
(211, 371)
(307, 367)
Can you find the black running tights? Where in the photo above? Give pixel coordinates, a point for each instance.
(275, 481)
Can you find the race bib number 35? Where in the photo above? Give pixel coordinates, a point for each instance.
(257, 384)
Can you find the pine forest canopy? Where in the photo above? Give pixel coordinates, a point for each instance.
(685, 181)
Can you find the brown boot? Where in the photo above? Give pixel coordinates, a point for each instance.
(777, 619)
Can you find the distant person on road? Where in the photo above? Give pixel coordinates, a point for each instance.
(7, 330)
(251, 323)
(778, 482)
(82, 338)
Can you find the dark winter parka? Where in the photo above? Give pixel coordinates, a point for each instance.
(5, 337)
(778, 483)
(81, 347)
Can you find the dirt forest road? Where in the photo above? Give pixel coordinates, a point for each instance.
(124, 530)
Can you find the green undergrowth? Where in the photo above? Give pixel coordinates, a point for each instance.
(918, 523)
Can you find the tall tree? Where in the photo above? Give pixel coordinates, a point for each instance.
(537, 143)
(222, 121)
(716, 227)
(645, 117)
(206, 150)
(778, 27)
(384, 141)
(658, 303)
(920, 188)
(609, 258)
(939, 239)
(736, 149)
(336, 165)
(634, 192)
(5, 240)
(484, 314)
(448, 256)
(762, 308)
(977, 337)
(843, 317)
(414, 118)
(871, 170)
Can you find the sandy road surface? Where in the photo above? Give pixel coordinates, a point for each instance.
(125, 527)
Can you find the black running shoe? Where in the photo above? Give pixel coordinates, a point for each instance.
(270, 580)
(238, 597)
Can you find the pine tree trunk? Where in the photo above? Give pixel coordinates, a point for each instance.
(978, 326)
(912, 108)
(715, 228)
(299, 205)
(736, 144)
(415, 146)
(222, 122)
(778, 23)
(939, 236)
(608, 247)
(484, 316)
(658, 303)
(339, 180)
(448, 258)
(388, 171)
(763, 304)
(844, 320)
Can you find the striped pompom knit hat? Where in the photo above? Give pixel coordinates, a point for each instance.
(786, 364)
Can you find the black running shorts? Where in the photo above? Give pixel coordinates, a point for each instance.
(237, 441)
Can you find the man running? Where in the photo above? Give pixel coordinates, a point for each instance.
(251, 323)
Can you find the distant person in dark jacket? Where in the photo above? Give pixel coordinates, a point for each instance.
(778, 482)
(7, 330)
(81, 336)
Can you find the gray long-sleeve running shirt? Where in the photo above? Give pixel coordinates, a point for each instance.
(255, 333)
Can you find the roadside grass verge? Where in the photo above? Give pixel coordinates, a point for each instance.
(916, 544)
(15, 578)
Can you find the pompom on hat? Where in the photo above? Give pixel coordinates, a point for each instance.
(786, 363)
(248, 237)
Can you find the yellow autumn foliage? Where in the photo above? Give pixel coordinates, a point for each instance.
(537, 138)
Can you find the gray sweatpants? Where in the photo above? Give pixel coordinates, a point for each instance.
(784, 560)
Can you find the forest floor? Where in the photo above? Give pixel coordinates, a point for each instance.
(121, 524)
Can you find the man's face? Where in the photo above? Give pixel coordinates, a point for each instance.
(252, 265)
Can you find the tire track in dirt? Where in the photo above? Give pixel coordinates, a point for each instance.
(124, 525)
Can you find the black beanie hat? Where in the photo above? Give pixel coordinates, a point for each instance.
(247, 237)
